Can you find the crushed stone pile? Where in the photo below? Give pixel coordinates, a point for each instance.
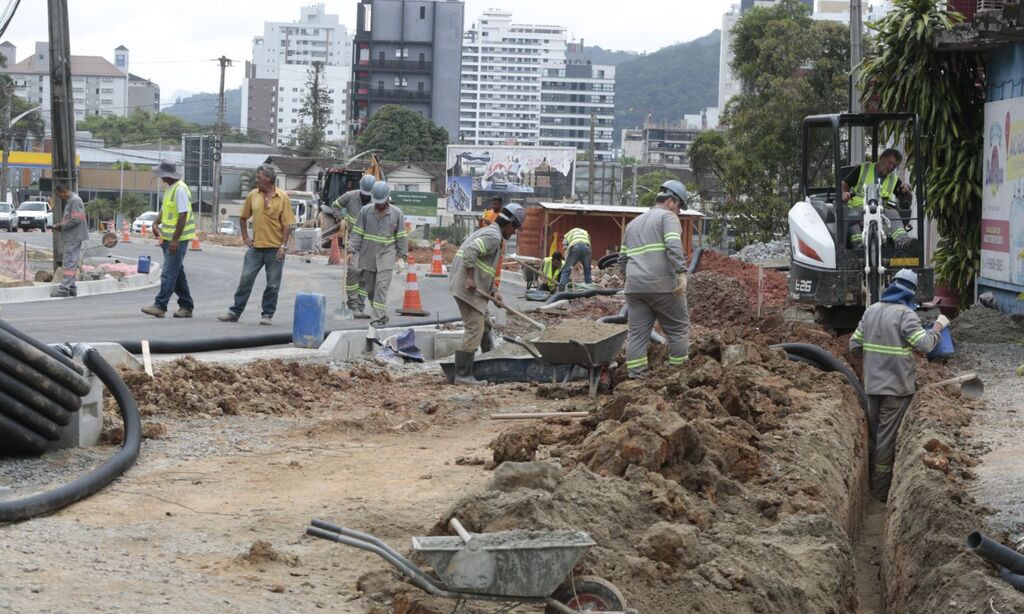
(771, 251)
(980, 324)
(721, 487)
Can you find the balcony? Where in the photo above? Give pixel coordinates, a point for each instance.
(402, 65)
(377, 93)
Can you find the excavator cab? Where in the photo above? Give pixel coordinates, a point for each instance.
(829, 269)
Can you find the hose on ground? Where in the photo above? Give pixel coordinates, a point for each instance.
(1015, 580)
(622, 319)
(824, 360)
(80, 488)
(582, 294)
(695, 260)
(607, 260)
(994, 552)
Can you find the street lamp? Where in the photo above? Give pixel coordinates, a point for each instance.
(7, 141)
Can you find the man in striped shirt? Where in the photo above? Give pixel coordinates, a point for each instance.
(887, 334)
(654, 265)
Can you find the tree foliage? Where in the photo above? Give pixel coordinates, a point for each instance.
(130, 205)
(403, 135)
(904, 72)
(100, 209)
(31, 125)
(141, 126)
(311, 139)
(791, 67)
(647, 186)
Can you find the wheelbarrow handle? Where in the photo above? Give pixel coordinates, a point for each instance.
(326, 530)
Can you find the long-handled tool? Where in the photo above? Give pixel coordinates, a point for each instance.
(513, 311)
(970, 384)
(343, 312)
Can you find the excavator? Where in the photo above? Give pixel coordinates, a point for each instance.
(334, 182)
(827, 270)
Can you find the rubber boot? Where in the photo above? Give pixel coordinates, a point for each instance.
(464, 370)
(487, 341)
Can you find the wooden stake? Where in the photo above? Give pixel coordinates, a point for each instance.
(147, 360)
(539, 415)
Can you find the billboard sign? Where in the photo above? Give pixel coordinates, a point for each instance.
(1002, 217)
(418, 207)
(477, 173)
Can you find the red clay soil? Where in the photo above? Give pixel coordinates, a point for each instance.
(776, 288)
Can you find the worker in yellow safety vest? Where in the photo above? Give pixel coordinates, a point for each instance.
(551, 268)
(577, 249)
(890, 186)
(176, 229)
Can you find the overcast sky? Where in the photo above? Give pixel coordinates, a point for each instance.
(174, 43)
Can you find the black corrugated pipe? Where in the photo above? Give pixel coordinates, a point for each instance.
(1015, 580)
(824, 360)
(49, 502)
(582, 294)
(194, 346)
(994, 552)
(607, 260)
(695, 260)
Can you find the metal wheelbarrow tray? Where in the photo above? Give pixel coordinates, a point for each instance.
(594, 356)
(518, 566)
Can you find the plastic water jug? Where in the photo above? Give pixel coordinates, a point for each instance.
(144, 264)
(944, 349)
(310, 320)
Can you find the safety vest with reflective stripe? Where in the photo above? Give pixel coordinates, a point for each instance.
(576, 236)
(867, 177)
(887, 335)
(549, 270)
(652, 252)
(169, 215)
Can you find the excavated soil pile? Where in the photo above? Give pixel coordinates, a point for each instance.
(776, 286)
(225, 240)
(926, 567)
(979, 324)
(718, 488)
(715, 300)
(425, 255)
(583, 331)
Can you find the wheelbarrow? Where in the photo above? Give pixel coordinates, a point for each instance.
(513, 567)
(594, 357)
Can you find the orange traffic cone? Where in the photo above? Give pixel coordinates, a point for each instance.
(126, 236)
(335, 257)
(411, 305)
(437, 262)
(196, 247)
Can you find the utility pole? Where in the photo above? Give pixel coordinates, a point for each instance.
(62, 114)
(593, 165)
(224, 63)
(636, 198)
(9, 98)
(856, 54)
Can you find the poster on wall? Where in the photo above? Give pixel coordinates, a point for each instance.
(475, 174)
(1002, 218)
(418, 207)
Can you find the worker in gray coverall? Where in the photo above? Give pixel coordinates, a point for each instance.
(654, 265)
(379, 243)
(886, 336)
(74, 230)
(347, 207)
(472, 285)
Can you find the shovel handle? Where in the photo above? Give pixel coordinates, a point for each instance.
(514, 311)
(461, 530)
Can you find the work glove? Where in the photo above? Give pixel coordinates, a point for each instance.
(680, 288)
(903, 240)
(399, 267)
(941, 322)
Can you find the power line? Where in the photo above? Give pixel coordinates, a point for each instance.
(8, 15)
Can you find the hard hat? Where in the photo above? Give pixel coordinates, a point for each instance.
(366, 184)
(907, 278)
(515, 213)
(676, 189)
(380, 192)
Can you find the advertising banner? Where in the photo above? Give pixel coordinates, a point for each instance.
(475, 174)
(1002, 218)
(418, 207)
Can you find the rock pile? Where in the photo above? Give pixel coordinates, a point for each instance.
(764, 252)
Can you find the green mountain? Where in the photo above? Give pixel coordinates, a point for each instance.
(668, 83)
(202, 108)
(609, 57)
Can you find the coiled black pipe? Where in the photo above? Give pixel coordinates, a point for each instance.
(582, 294)
(49, 502)
(994, 552)
(1015, 580)
(824, 360)
(607, 260)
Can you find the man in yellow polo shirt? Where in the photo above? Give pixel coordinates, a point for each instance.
(272, 221)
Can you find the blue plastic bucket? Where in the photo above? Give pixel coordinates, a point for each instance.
(945, 348)
(143, 264)
(310, 320)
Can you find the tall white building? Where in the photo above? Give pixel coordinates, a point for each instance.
(274, 86)
(729, 84)
(98, 87)
(527, 85)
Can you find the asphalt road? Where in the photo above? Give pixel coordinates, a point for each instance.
(213, 276)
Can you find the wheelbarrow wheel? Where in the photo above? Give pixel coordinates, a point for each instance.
(588, 594)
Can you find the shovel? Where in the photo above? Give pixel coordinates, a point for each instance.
(343, 312)
(970, 384)
(514, 311)
(474, 567)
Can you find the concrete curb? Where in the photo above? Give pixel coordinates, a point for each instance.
(28, 294)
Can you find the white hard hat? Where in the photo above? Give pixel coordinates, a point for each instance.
(515, 213)
(907, 277)
(380, 192)
(366, 184)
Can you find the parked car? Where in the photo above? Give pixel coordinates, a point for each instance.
(7, 216)
(34, 214)
(227, 227)
(148, 218)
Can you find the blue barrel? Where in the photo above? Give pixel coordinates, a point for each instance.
(944, 349)
(143, 264)
(310, 320)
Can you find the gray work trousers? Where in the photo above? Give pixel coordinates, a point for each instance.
(71, 258)
(377, 284)
(885, 414)
(355, 289)
(668, 310)
(474, 324)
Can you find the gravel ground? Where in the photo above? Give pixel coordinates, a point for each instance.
(997, 428)
(764, 252)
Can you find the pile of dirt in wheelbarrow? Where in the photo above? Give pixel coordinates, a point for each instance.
(731, 485)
